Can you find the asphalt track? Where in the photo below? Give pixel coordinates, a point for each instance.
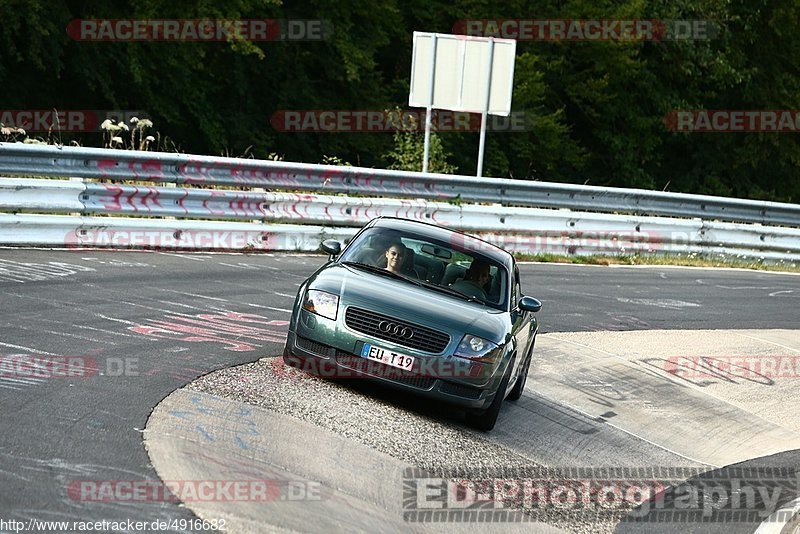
(142, 325)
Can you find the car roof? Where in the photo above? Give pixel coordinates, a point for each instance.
(442, 233)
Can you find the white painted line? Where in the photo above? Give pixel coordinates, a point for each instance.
(191, 294)
(267, 307)
(780, 292)
(741, 287)
(34, 351)
(181, 305)
(180, 256)
(670, 304)
(67, 334)
(162, 310)
(123, 321)
(25, 381)
(241, 266)
(767, 341)
(579, 293)
(102, 330)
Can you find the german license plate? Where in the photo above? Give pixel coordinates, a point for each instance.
(388, 357)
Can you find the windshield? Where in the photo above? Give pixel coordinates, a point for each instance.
(441, 265)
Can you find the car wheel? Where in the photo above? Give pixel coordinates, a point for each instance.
(516, 391)
(485, 420)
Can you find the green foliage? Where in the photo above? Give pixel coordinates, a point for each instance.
(596, 109)
(335, 160)
(408, 152)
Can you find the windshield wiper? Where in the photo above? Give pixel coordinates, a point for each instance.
(454, 292)
(380, 270)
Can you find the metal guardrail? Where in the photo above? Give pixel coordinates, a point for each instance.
(77, 232)
(312, 217)
(37, 160)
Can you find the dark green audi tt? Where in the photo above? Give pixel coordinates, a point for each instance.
(419, 307)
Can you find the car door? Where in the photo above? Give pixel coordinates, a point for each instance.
(520, 324)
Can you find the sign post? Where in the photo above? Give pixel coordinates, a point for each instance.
(429, 107)
(461, 73)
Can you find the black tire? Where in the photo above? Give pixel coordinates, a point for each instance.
(516, 391)
(290, 359)
(485, 420)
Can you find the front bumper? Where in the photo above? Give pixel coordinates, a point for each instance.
(328, 361)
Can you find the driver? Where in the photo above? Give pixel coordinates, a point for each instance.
(395, 257)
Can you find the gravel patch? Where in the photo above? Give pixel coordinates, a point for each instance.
(425, 437)
(409, 429)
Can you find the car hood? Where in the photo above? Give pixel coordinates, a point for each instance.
(412, 303)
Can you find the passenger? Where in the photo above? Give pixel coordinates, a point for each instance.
(475, 280)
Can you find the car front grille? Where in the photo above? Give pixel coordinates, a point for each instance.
(373, 368)
(421, 338)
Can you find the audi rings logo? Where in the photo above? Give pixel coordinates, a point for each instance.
(396, 330)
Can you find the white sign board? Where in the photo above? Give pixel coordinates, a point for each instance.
(460, 70)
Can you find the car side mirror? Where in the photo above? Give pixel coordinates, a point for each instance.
(331, 246)
(530, 304)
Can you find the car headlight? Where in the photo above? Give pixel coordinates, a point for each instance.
(478, 349)
(322, 303)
